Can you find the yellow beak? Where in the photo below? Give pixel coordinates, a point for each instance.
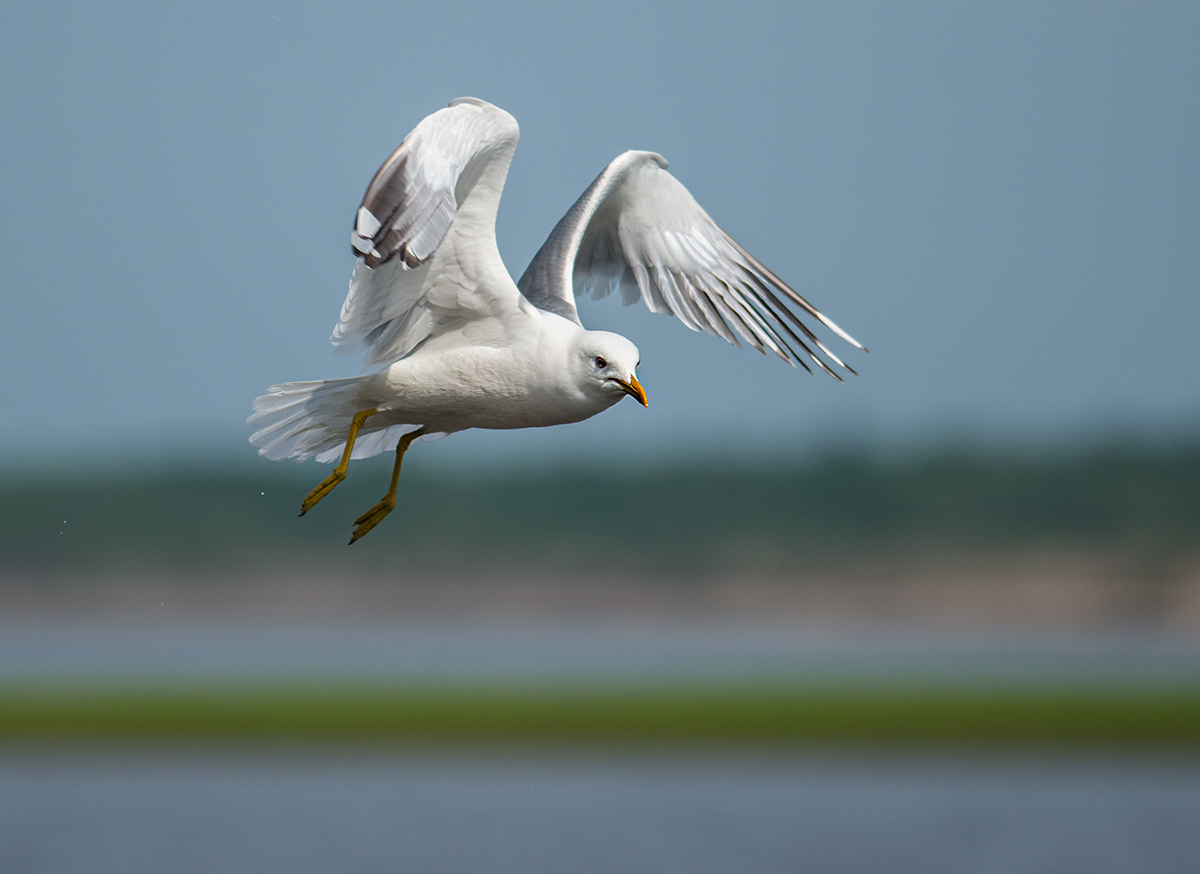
(633, 387)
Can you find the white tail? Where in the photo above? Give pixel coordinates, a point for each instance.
(305, 420)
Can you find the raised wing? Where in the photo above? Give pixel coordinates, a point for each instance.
(450, 167)
(638, 230)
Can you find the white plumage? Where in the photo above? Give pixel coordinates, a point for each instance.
(459, 345)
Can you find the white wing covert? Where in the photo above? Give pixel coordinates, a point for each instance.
(396, 299)
(639, 231)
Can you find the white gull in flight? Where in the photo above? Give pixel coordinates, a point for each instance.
(459, 345)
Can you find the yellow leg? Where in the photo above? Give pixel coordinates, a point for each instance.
(339, 472)
(374, 516)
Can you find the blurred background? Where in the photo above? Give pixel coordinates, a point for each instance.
(942, 617)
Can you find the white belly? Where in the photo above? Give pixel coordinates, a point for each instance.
(482, 387)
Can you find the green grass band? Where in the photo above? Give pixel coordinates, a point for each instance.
(599, 714)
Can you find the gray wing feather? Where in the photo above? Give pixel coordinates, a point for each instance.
(406, 213)
(413, 198)
(548, 281)
(637, 230)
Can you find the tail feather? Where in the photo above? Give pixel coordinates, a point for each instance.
(305, 420)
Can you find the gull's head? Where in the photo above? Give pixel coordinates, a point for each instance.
(607, 364)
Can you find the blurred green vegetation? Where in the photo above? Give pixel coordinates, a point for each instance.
(1159, 716)
(686, 520)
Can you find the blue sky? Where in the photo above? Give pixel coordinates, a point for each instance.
(1001, 200)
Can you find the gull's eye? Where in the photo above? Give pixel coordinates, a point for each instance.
(600, 362)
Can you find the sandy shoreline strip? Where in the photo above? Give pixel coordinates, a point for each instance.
(1040, 591)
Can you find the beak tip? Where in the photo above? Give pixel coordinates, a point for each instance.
(634, 389)
(637, 391)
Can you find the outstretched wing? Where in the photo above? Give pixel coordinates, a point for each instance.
(450, 167)
(638, 230)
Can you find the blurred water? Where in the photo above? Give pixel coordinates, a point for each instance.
(229, 649)
(347, 812)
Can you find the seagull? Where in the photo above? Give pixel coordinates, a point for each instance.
(453, 343)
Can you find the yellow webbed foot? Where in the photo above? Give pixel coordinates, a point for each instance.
(339, 473)
(325, 487)
(372, 517)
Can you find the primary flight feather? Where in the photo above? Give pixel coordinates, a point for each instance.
(459, 345)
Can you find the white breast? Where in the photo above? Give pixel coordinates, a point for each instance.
(527, 381)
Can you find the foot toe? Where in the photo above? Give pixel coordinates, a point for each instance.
(323, 488)
(370, 519)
